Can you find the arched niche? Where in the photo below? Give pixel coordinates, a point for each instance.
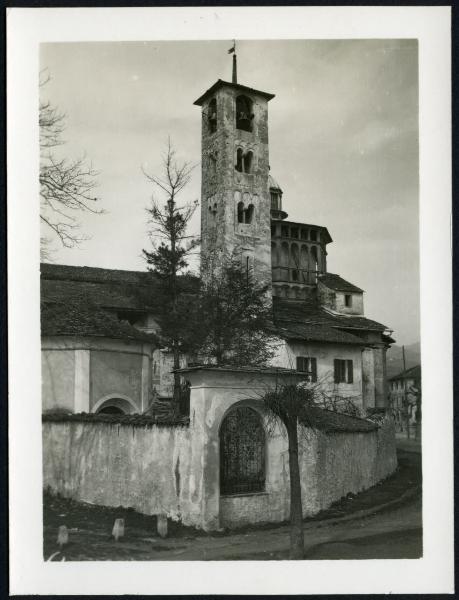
(242, 451)
(115, 404)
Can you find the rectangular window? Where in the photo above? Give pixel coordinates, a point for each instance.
(313, 235)
(344, 371)
(284, 231)
(307, 364)
(294, 232)
(348, 300)
(274, 201)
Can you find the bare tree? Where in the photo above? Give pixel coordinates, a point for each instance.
(168, 259)
(293, 404)
(66, 186)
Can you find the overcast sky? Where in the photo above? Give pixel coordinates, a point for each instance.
(343, 131)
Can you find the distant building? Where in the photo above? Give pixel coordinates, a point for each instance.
(405, 390)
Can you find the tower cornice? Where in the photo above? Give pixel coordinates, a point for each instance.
(243, 88)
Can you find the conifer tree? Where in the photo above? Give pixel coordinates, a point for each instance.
(168, 259)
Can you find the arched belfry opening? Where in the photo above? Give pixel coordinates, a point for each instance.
(242, 452)
(244, 114)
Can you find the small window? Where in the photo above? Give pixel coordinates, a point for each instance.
(239, 160)
(313, 235)
(274, 201)
(248, 156)
(213, 165)
(294, 232)
(308, 365)
(348, 300)
(304, 234)
(273, 230)
(240, 212)
(294, 274)
(249, 214)
(344, 371)
(284, 231)
(212, 115)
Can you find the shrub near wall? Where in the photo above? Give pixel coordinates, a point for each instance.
(129, 461)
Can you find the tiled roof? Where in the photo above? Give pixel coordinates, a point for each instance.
(412, 373)
(108, 288)
(316, 333)
(291, 314)
(83, 319)
(334, 422)
(335, 282)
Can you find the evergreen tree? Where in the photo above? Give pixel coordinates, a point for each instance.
(168, 258)
(236, 326)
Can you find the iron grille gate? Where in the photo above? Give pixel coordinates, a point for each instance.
(242, 452)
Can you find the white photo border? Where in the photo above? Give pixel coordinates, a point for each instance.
(29, 574)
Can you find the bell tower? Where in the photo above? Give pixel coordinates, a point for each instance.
(235, 198)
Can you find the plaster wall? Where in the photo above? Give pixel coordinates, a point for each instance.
(335, 300)
(58, 379)
(143, 467)
(116, 374)
(325, 354)
(353, 462)
(77, 373)
(175, 470)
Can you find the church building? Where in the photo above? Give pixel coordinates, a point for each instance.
(101, 343)
(108, 436)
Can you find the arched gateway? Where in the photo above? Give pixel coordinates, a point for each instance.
(242, 452)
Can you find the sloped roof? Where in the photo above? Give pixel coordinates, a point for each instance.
(242, 88)
(107, 288)
(86, 320)
(329, 421)
(335, 282)
(411, 373)
(316, 333)
(292, 313)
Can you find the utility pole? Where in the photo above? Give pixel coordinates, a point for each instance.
(405, 400)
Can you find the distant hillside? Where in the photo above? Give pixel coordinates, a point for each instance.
(395, 359)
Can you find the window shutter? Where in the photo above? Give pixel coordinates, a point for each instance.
(314, 369)
(350, 372)
(336, 363)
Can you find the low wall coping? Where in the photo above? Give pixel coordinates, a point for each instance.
(132, 419)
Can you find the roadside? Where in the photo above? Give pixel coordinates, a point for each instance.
(395, 502)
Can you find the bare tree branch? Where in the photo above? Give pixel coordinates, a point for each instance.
(66, 186)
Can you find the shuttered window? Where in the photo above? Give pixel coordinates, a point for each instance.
(344, 371)
(307, 364)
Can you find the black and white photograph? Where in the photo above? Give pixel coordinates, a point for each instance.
(229, 244)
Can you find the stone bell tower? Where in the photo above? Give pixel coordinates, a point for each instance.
(235, 200)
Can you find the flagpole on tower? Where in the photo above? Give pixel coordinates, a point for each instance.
(232, 51)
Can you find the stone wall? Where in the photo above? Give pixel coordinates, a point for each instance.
(174, 469)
